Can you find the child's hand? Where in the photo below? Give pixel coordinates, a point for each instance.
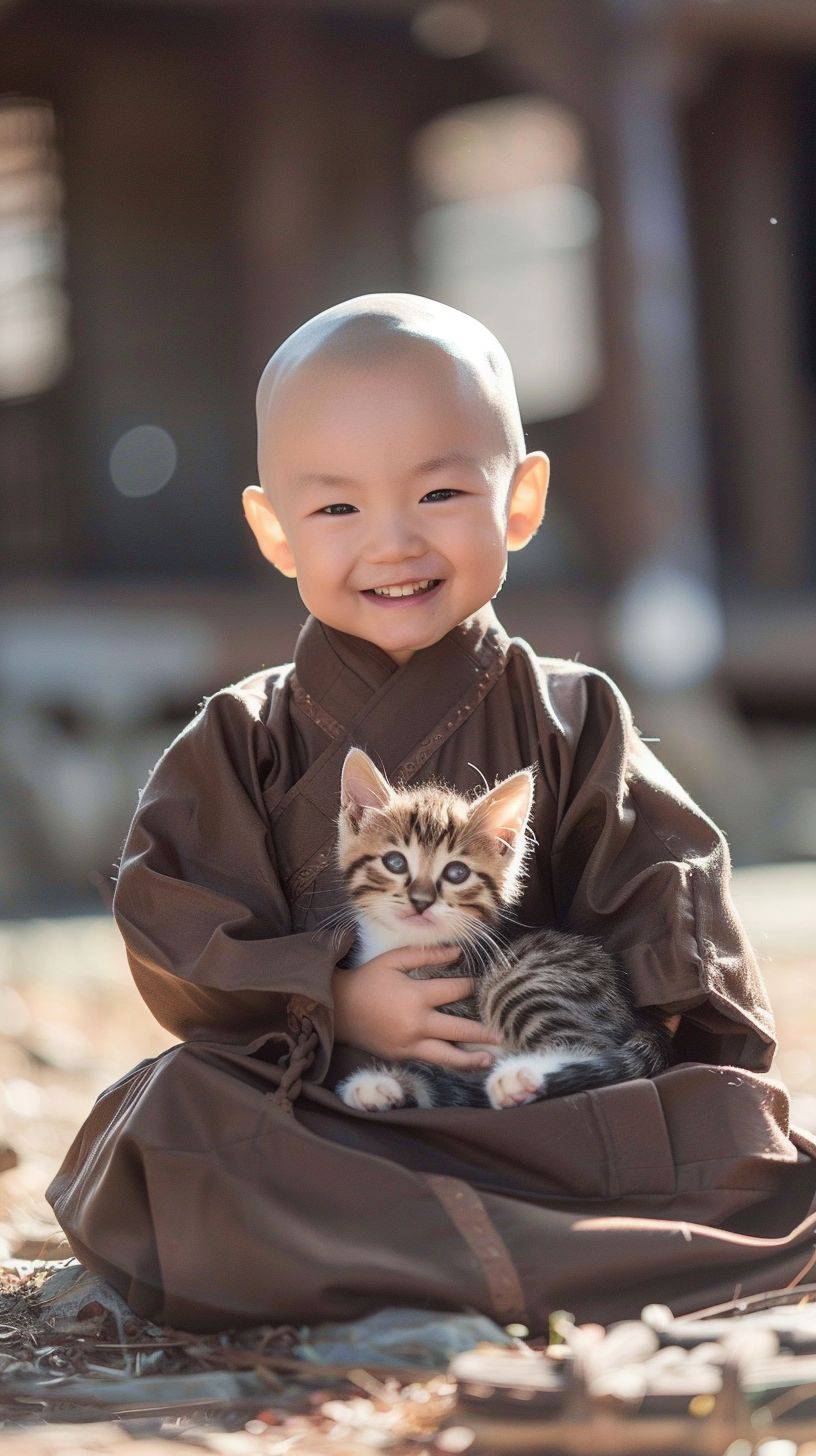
(382, 1010)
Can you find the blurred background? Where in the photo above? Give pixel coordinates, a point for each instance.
(623, 190)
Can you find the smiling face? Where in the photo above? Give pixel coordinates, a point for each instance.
(424, 865)
(391, 472)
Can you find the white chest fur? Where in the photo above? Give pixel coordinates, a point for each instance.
(374, 940)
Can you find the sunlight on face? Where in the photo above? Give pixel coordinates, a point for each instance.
(339, 464)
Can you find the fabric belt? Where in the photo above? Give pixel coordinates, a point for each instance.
(467, 1212)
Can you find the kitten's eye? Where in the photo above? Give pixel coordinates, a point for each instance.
(456, 872)
(395, 862)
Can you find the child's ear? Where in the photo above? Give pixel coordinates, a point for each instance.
(267, 530)
(362, 786)
(526, 499)
(503, 812)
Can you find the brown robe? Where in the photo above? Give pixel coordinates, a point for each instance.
(214, 1185)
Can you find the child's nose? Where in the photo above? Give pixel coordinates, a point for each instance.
(394, 540)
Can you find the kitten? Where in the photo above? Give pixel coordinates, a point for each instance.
(425, 865)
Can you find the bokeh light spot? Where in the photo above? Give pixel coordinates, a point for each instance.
(667, 627)
(451, 28)
(143, 460)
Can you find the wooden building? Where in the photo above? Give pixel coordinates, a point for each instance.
(624, 190)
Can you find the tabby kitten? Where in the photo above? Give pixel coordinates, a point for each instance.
(425, 865)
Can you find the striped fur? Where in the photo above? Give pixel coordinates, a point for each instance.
(561, 1003)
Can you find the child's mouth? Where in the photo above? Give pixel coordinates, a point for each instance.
(411, 597)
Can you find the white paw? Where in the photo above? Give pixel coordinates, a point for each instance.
(516, 1080)
(371, 1091)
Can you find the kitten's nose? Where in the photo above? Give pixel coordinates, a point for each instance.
(421, 893)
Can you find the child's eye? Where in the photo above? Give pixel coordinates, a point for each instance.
(339, 507)
(443, 491)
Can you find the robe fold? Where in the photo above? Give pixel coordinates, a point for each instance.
(224, 1183)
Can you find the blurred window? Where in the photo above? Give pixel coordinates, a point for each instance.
(507, 232)
(33, 302)
(34, 347)
(802, 255)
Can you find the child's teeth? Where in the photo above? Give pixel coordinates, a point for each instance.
(402, 591)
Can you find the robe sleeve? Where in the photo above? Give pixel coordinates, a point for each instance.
(198, 901)
(637, 863)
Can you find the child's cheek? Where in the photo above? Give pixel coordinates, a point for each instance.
(325, 557)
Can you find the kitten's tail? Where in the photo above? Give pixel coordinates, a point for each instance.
(645, 1054)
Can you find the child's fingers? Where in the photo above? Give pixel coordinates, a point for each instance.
(485, 1034)
(458, 1028)
(447, 988)
(409, 956)
(445, 1055)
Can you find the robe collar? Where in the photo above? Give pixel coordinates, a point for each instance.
(340, 673)
(400, 714)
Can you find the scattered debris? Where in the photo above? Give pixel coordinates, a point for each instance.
(699, 1383)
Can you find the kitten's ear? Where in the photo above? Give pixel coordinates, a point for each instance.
(362, 786)
(503, 812)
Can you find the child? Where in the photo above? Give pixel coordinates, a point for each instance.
(212, 1185)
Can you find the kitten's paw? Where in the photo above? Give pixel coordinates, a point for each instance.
(516, 1080)
(372, 1091)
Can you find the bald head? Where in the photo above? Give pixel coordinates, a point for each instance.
(373, 327)
(391, 449)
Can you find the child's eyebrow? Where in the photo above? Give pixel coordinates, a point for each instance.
(426, 467)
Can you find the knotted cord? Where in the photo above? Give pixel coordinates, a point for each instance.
(299, 1059)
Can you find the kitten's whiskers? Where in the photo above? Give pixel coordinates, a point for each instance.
(490, 940)
(483, 943)
(345, 920)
